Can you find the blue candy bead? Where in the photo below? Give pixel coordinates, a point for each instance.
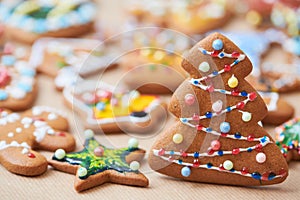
(40, 26)
(100, 106)
(217, 44)
(3, 95)
(28, 72)
(185, 171)
(224, 127)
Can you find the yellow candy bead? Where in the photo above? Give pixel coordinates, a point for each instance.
(159, 55)
(254, 18)
(233, 82)
(177, 138)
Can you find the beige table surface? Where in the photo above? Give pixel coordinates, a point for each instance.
(58, 185)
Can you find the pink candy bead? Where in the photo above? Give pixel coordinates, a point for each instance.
(215, 145)
(189, 99)
(98, 151)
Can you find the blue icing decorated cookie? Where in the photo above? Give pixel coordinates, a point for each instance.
(3, 95)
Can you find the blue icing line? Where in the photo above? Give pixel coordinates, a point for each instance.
(8, 60)
(40, 26)
(28, 72)
(3, 95)
(25, 87)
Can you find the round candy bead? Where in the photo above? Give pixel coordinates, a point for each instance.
(228, 165)
(82, 172)
(133, 143)
(204, 67)
(88, 134)
(217, 44)
(99, 151)
(261, 157)
(134, 165)
(215, 145)
(189, 99)
(217, 106)
(177, 138)
(3, 95)
(233, 82)
(224, 127)
(185, 171)
(60, 154)
(100, 106)
(246, 117)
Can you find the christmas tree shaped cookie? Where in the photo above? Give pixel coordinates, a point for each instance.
(97, 164)
(218, 139)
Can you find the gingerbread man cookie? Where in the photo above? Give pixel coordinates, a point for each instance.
(97, 164)
(105, 108)
(40, 128)
(218, 138)
(18, 88)
(29, 20)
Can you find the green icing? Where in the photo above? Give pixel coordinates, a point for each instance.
(112, 159)
(289, 138)
(40, 13)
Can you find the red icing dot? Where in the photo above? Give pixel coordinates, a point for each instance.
(4, 77)
(215, 53)
(62, 134)
(258, 147)
(282, 172)
(210, 88)
(161, 152)
(210, 151)
(252, 96)
(31, 155)
(265, 176)
(199, 127)
(250, 138)
(235, 151)
(196, 163)
(171, 158)
(221, 167)
(245, 170)
(184, 154)
(235, 54)
(195, 117)
(240, 105)
(235, 92)
(227, 68)
(223, 134)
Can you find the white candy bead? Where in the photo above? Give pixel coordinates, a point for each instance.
(134, 165)
(204, 67)
(88, 134)
(133, 143)
(60, 154)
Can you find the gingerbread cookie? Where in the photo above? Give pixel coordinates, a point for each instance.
(97, 164)
(40, 128)
(287, 139)
(18, 88)
(218, 138)
(154, 64)
(29, 20)
(86, 56)
(279, 111)
(104, 108)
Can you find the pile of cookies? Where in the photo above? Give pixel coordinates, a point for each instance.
(220, 84)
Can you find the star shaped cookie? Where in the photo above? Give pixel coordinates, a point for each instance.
(41, 128)
(97, 164)
(287, 139)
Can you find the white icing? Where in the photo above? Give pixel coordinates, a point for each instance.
(4, 145)
(17, 93)
(272, 105)
(10, 134)
(25, 151)
(37, 110)
(52, 116)
(18, 130)
(26, 126)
